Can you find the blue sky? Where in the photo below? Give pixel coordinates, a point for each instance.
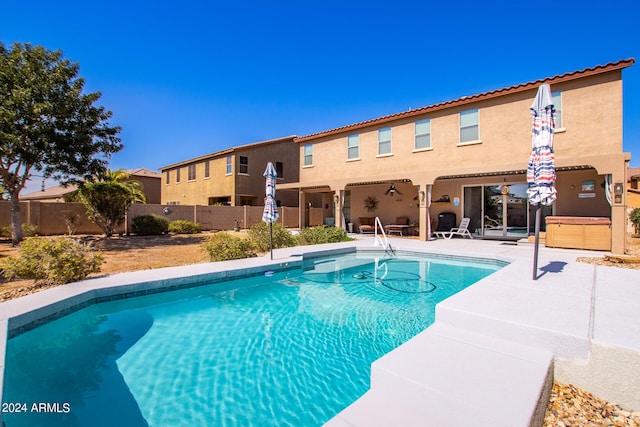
(189, 78)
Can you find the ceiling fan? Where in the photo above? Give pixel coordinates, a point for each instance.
(392, 190)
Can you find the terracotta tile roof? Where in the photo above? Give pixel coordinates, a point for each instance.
(599, 69)
(633, 173)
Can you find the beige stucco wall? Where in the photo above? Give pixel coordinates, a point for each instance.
(592, 130)
(389, 206)
(241, 188)
(590, 135)
(198, 191)
(253, 183)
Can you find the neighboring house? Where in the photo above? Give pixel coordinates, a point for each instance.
(149, 179)
(233, 176)
(633, 178)
(151, 182)
(633, 188)
(469, 156)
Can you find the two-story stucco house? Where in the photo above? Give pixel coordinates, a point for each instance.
(469, 157)
(233, 176)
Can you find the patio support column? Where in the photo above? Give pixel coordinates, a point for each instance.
(619, 211)
(338, 197)
(424, 198)
(302, 208)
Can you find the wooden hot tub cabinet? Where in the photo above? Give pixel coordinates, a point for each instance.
(577, 232)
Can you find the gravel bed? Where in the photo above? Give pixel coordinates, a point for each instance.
(572, 406)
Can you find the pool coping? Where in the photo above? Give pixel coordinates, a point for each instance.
(474, 305)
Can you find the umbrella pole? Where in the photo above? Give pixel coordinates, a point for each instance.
(271, 239)
(536, 241)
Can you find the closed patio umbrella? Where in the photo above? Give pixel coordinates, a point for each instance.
(541, 171)
(270, 212)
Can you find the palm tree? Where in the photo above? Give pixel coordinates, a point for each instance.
(108, 198)
(123, 178)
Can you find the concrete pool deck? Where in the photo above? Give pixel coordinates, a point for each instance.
(489, 358)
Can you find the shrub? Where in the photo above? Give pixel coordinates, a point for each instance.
(72, 221)
(322, 234)
(634, 218)
(181, 226)
(260, 236)
(146, 225)
(224, 246)
(55, 261)
(28, 230)
(5, 231)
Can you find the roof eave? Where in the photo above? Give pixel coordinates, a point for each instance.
(228, 151)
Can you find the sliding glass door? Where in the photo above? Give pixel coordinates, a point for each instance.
(499, 211)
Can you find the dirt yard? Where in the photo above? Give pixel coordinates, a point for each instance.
(123, 254)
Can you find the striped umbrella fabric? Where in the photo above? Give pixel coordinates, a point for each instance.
(541, 171)
(270, 213)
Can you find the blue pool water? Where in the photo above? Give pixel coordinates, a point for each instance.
(294, 348)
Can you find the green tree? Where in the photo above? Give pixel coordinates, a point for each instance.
(108, 198)
(47, 123)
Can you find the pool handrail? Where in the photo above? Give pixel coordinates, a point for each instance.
(378, 241)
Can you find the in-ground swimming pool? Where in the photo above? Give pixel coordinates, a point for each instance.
(292, 348)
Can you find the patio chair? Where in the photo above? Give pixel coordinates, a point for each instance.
(462, 230)
(366, 224)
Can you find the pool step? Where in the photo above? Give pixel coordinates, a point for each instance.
(542, 313)
(447, 376)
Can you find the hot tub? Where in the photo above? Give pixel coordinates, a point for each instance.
(578, 232)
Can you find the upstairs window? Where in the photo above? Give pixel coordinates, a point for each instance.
(191, 173)
(308, 155)
(280, 169)
(384, 141)
(469, 126)
(244, 164)
(229, 166)
(206, 169)
(557, 104)
(422, 134)
(353, 147)
(168, 180)
(177, 175)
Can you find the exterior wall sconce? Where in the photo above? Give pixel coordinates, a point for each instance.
(336, 198)
(421, 195)
(618, 190)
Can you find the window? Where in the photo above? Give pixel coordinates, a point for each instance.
(244, 164)
(229, 166)
(191, 173)
(178, 175)
(206, 169)
(384, 141)
(423, 134)
(168, 180)
(308, 155)
(280, 169)
(353, 147)
(557, 104)
(469, 125)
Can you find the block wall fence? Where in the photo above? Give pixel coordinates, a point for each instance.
(49, 218)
